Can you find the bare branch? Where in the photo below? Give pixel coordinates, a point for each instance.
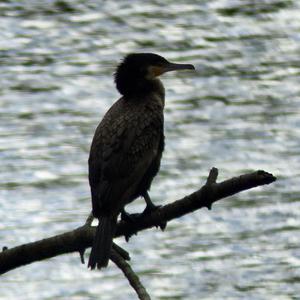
(82, 237)
(130, 275)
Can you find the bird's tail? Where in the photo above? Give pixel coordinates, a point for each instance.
(102, 243)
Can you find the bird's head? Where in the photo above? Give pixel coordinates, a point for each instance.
(137, 69)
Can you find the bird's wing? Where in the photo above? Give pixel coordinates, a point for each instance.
(122, 158)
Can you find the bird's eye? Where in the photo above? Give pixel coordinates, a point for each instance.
(159, 64)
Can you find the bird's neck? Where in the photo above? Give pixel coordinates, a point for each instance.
(130, 87)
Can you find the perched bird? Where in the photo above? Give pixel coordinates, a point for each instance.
(127, 146)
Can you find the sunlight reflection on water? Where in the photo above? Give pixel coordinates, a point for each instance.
(239, 112)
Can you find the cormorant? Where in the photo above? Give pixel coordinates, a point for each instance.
(127, 146)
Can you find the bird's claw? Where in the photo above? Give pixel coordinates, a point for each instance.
(162, 226)
(151, 208)
(136, 218)
(129, 235)
(131, 219)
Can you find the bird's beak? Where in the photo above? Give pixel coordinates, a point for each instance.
(173, 67)
(156, 71)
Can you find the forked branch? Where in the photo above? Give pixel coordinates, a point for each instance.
(81, 238)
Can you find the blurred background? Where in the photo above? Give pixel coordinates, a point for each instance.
(239, 112)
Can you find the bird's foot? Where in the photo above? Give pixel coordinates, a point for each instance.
(150, 208)
(131, 219)
(137, 218)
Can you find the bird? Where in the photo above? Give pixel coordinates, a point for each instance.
(127, 146)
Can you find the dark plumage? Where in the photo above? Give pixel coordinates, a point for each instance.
(127, 146)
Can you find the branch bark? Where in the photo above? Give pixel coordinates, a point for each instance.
(133, 279)
(81, 238)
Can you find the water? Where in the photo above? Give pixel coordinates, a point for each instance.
(238, 112)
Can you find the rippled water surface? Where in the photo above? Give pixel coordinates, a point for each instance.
(239, 112)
